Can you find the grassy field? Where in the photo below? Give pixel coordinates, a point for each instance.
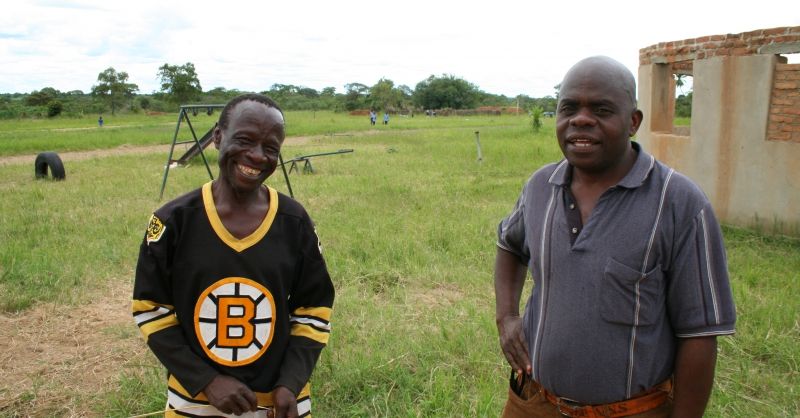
(20, 137)
(408, 224)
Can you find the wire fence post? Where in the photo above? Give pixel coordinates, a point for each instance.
(478, 142)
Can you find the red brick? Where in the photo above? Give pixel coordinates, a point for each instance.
(701, 55)
(753, 33)
(702, 39)
(794, 29)
(740, 51)
(793, 111)
(775, 31)
(775, 110)
(779, 118)
(788, 75)
(782, 136)
(784, 39)
(782, 102)
(786, 85)
(722, 52)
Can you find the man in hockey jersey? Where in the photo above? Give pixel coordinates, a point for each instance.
(232, 293)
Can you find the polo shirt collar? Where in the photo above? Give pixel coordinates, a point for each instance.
(636, 176)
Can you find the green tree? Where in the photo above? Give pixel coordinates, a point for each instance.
(385, 96)
(683, 105)
(41, 97)
(113, 87)
(179, 82)
(355, 96)
(446, 91)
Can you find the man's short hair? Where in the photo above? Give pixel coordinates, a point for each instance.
(260, 98)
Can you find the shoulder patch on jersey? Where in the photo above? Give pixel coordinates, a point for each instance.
(155, 229)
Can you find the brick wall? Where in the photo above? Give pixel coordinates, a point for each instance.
(736, 44)
(784, 110)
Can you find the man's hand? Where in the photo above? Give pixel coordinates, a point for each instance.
(230, 396)
(512, 340)
(509, 277)
(285, 403)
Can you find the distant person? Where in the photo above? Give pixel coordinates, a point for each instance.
(231, 293)
(385, 118)
(630, 276)
(372, 117)
(100, 121)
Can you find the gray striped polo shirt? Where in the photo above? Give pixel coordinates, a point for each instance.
(647, 268)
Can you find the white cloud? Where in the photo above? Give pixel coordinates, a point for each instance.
(505, 47)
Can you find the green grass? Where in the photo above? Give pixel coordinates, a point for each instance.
(408, 226)
(679, 121)
(32, 136)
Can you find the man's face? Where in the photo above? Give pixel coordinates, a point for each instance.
(595, 119)
(249, 146)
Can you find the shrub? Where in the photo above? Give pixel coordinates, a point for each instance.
(54, 108)
(536, 118)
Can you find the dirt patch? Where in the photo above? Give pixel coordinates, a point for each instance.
(439, 296)
(54, 358)
(122, 150)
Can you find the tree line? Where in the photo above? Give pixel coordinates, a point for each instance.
(180, 85)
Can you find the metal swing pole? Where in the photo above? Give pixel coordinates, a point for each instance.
(286, 175)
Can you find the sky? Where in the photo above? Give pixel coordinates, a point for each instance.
(502, 46)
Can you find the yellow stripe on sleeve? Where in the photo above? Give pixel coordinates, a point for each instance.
(319, 312)
(303, 330)
(147, 305)
(157, 325)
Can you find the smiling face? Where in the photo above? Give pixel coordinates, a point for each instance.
(596, 116)
(249, 145)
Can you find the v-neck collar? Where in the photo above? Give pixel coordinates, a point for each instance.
(229, 239)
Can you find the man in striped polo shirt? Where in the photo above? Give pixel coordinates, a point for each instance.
(630, 277)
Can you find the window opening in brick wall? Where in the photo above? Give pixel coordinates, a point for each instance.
(682, 104)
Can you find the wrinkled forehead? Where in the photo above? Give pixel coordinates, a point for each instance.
(251, 109)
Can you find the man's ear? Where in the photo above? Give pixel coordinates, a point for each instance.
(216, 136)
(636, 121)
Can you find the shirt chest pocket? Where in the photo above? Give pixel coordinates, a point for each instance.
(629, 298)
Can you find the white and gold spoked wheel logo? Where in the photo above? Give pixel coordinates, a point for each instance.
(233, 319)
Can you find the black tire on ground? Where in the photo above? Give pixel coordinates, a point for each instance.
(52, 161)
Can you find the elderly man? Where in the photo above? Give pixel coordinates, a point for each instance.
(630, 278)
(232, 293)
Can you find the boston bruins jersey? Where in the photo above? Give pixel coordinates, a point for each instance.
(208, 303)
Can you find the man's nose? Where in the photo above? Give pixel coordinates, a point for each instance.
(583, 117)
(257, 153)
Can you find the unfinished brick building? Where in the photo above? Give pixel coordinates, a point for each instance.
(743, 145)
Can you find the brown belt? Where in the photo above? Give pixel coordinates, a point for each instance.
(651, 399)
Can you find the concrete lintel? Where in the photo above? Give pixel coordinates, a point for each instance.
(673, 58)
(781, 48)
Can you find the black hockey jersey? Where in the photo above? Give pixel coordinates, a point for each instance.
(256, 308)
